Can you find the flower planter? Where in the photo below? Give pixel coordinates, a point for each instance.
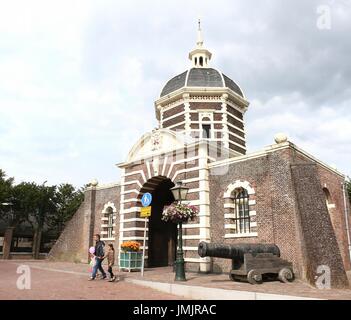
(129, 260)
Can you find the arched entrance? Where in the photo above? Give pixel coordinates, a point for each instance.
(162, 235)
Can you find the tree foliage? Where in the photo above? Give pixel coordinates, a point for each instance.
(41, 206)
(348, 188)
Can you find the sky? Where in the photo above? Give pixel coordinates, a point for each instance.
(78, 79)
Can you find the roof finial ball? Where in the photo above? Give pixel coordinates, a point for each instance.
(94, 183)
(280, 138)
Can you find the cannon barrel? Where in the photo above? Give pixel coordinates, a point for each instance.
(236, 251)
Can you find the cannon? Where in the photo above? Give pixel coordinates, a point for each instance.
(251, 262)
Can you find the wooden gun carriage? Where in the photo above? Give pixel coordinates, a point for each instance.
(250, 261)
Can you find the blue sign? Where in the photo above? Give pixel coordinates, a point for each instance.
(146, 199)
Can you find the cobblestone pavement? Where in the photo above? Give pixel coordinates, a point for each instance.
(72, 284)
(74, 271)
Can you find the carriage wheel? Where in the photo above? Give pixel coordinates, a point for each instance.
(286, 275)
(254, 277)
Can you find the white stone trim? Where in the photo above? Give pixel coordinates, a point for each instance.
(130, 200)
(134, 229)
(253, 213)
(131, 191)
(133, 238)
(132, 182)
(237, 128)
(174, 116)
(252, 202)
(165, 160)
(239, 184)
(198, 260)
(109, 205)
(179, 162)
(141, 172)
(192, 237)
(190, 248)
(148, 169)
(134, 220)
(108, 239)
(184, 171)
(241, 235)
(130, 210)
(176, 125)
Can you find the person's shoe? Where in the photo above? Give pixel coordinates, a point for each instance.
(104, 277)
(91, 279)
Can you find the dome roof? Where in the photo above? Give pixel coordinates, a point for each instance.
(201, 77)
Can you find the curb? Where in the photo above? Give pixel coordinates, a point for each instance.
(206, 293)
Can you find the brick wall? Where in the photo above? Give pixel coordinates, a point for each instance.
(279, 204)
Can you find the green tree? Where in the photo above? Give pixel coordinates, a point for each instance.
(6, 185)
(68, 200)
(348, 188)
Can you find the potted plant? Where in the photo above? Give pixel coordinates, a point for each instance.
(130, 256)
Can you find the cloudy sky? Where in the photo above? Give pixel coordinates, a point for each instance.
(78, 79)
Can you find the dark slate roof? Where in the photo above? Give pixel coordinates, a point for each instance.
(204, 77)
(174, 84)
(232, 85)
(200, 77)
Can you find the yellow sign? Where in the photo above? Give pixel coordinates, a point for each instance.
(145, 212)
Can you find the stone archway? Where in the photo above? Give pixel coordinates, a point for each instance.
(162, 235)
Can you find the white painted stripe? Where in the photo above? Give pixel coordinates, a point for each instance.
(133, 220)
(184, 171)
(133, 238)
(192, 237)
(141, 172)
(130, 210)
(165, 160)
(132, 182)
(148, 169)
(179, 162)
(174, 116)
(133, 229)
(130, 200)
(246, 235)
(130, 191)
(253, 213)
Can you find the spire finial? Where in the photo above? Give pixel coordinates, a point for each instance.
(200, 40)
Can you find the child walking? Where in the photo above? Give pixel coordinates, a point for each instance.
(110, 255)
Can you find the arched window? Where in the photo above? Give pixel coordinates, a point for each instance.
(110, 221)
(241, 218)
(206, 127)
(201, 61)
(195, 61)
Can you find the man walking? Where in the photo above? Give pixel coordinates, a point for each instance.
(99, 257)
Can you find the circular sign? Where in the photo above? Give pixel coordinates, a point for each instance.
(146, 199)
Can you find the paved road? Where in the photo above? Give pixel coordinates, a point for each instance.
(57, 285)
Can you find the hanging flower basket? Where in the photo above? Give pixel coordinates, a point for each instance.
(177, 213)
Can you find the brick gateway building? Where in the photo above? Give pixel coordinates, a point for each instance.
(280, 194)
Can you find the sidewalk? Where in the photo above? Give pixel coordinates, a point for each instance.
(205, 286)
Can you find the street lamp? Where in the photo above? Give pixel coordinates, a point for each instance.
(180, 192)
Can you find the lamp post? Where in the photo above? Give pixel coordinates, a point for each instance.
(6, 250)
(180, 192)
